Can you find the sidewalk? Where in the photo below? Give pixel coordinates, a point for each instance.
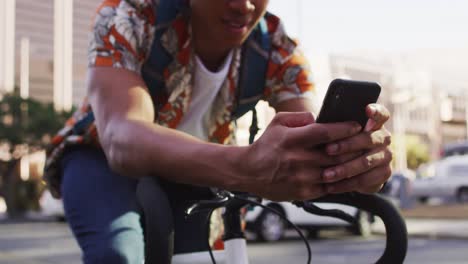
(28, 217)
(431, 228)
(435, 221)
(443, 211)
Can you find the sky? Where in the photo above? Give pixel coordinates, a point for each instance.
(344, 25)
(433, 32)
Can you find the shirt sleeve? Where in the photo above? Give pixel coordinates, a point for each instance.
(288, 74)
(122, 34)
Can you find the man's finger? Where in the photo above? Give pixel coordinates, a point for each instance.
(294, 119)
(360, 142)
(318, 134)
(377, 115)
(360, 165)
(368, 182)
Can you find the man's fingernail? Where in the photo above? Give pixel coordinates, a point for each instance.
(370, 125)
(372, 109)
(332, 148)
(357, 128)
(329, 175)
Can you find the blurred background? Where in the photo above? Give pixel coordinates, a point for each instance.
(417, 50)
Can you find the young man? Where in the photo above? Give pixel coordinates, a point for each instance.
(183, 141)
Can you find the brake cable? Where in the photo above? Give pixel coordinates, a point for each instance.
(309, 251)
(208, 236)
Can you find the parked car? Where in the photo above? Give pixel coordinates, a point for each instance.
(270, 227)
(455, 149)
(446, 178)
(398, 188)
(51, 207)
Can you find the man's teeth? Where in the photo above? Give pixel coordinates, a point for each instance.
(236, 25)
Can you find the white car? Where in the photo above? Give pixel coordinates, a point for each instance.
(270, 227)
(446, 178)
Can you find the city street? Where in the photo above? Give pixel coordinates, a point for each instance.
(52, 243)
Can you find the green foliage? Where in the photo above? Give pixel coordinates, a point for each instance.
(417, 151)
(28, 121)
(24, 122)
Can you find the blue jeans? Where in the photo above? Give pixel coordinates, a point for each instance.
(105, 216)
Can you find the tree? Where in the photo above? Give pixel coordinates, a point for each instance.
(24, 122)
(27, 121)
(417, 151)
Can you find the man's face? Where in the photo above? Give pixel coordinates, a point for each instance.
(227, 22)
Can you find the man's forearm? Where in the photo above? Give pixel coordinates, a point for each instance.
(136, 148)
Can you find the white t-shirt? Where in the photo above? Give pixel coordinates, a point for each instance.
(206, 85)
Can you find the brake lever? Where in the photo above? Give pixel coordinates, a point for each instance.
(207, 205)
(311, 208)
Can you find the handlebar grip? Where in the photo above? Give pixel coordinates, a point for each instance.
(397, 235)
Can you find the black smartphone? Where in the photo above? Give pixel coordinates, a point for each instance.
(346, 100)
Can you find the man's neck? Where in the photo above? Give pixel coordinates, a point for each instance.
(211, 55)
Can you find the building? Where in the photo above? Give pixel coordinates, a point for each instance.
(424, 99)
(33, 22)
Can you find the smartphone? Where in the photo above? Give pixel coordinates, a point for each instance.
(346, 100)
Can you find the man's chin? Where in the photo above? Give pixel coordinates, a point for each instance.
(235, 42)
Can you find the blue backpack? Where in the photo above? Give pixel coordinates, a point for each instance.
(253, 65)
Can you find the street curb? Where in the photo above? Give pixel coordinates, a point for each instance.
(429, 235)
(431, 228)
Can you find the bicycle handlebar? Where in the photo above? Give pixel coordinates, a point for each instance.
(396, 232)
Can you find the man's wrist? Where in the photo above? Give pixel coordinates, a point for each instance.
(237, 173)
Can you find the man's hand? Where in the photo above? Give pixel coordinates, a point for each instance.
(287, 161)
(368, 171)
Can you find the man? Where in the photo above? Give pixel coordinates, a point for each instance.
(182, 141)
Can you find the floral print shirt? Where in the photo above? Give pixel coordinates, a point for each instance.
(122, 38)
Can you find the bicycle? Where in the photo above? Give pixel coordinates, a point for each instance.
(235, 244)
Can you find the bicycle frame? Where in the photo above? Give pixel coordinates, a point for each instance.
(199, 258)
(235, 252)
(235, 244)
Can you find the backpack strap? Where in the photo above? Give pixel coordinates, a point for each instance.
(153, 68)
(256, 53)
